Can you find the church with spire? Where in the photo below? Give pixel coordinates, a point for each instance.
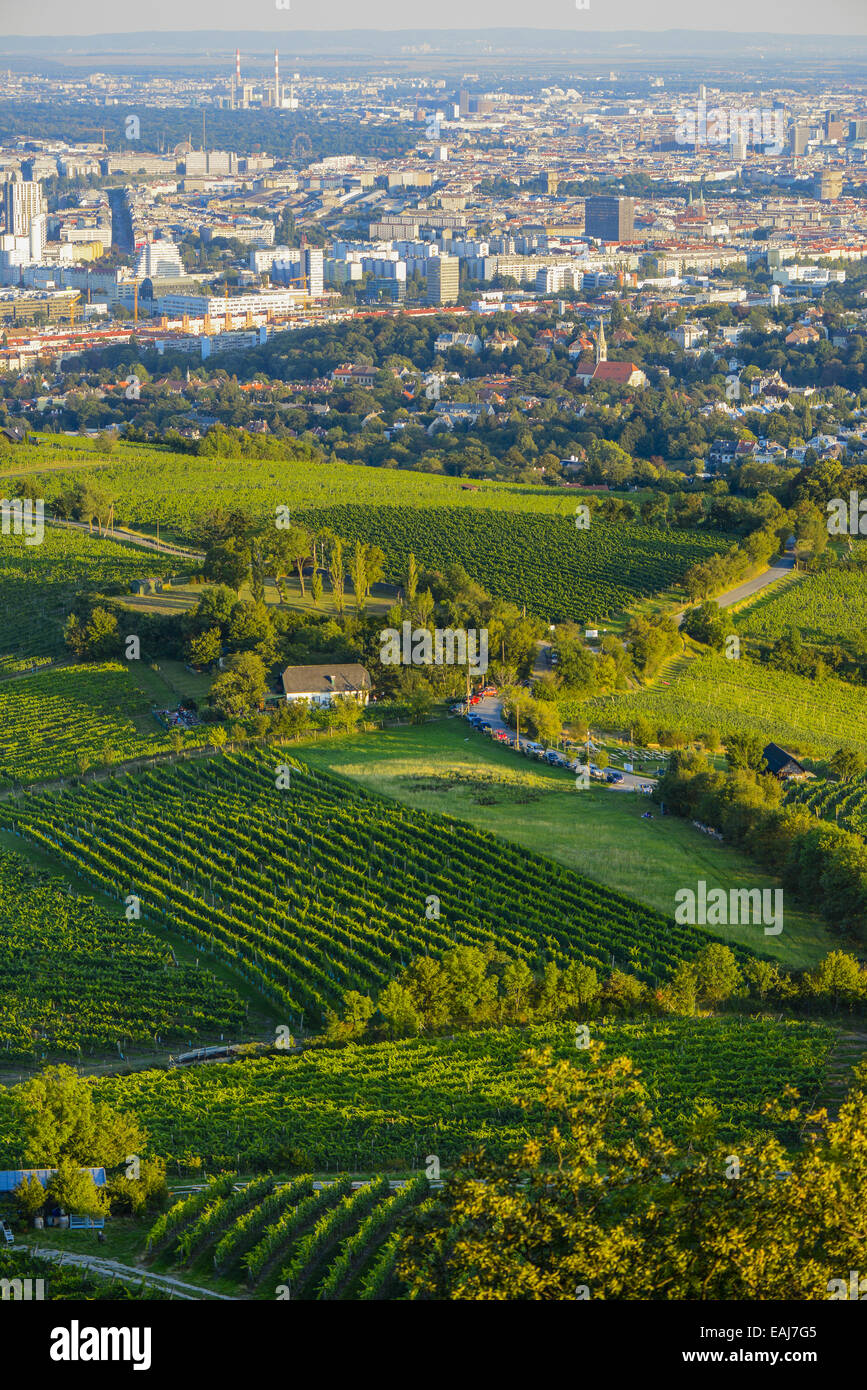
(601, 345)
(599, 371)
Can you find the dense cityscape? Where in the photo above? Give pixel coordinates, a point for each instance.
(433, 675)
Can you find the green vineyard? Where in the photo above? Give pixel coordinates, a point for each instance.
(744, 697)
(76, 980)
(845, 803)
(387, 1106)
(823, 608)
(293, 1240)
(319, 887)
(182, 489)
(62, 721)
(541, 561)
(39, 584)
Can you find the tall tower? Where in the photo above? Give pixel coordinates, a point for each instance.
(601, 345)
(237, 67)
(276, 78)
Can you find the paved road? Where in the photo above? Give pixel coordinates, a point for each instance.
(491, 711)
(783, 565)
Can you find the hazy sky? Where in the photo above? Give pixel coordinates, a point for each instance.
(739, 16)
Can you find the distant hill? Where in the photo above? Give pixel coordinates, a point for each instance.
(621, 44)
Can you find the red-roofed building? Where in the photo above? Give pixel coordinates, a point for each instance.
(610, 374)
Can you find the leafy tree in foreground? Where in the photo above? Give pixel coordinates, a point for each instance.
(60, 1119)
(241, 686)
(603, 1206)
(73, 1189)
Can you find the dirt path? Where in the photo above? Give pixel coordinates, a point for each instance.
(113, 1269)
(124, 537)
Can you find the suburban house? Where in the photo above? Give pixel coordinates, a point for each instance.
(468, 342)
(451, 413)
(348, 375)
(320, 685)
(722, 452)
(782, 764)
(801, 335)
(502, 342)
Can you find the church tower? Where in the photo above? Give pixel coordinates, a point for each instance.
(601, 345)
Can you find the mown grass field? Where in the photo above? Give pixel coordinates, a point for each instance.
(598, 832)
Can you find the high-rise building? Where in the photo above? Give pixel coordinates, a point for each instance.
(443, 280)
(738, 147)
(472, 106)
(22, 201)
(610, 219)
(302, 269)
(314, 263)
(833, 126)
(858, 130)
(160, 259)
(37, 236)
(800, 137)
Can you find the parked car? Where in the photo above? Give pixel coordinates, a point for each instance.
(557, 759)
(614, 776)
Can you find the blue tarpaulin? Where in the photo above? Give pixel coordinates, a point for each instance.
(10, 1178)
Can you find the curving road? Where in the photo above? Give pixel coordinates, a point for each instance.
(782, 565)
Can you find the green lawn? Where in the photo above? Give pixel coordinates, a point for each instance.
(179, 598)
(171, 681)
(599, 832)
